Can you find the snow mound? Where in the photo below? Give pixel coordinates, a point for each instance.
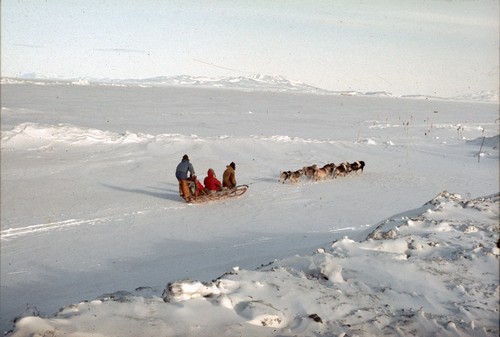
(492, 142)
(33, 134)
(368, 141)
(429, 271)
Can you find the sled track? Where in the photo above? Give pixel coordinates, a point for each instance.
(16, 232)
(12, 233)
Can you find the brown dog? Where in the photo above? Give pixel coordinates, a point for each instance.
(324, 172)
(294, 177)
(309, 170)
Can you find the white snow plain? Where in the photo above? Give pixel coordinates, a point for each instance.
(95, 240)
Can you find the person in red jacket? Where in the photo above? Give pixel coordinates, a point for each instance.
(199, 188)
(211, 182)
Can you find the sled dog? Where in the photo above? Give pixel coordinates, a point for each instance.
(323, 172)
(309, 170)
(341, 170)
(294, 177)
(358, 165)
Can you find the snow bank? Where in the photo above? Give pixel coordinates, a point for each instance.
(429, 271)
(40, 134)
(37, 135)
(492, 142)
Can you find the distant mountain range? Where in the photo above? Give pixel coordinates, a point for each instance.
(249, 83)
(255, 82)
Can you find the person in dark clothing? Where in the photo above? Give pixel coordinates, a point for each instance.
(181, 173)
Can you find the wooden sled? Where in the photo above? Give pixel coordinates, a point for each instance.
(219, 195)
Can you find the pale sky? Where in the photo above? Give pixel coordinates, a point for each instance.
(433, 47)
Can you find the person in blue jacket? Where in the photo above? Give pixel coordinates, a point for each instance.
(181, 173)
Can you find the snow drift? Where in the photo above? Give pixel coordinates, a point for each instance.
(429, 271)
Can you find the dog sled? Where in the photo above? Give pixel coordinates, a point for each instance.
(203, 196)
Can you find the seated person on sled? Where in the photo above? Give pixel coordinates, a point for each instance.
(195, 187)
(229, 176)
(212, 184)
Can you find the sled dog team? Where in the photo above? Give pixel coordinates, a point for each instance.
(316, 173)
(190, 187)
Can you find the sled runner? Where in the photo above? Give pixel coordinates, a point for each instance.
(219, 195)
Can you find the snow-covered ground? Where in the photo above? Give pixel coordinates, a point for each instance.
(91, 220)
